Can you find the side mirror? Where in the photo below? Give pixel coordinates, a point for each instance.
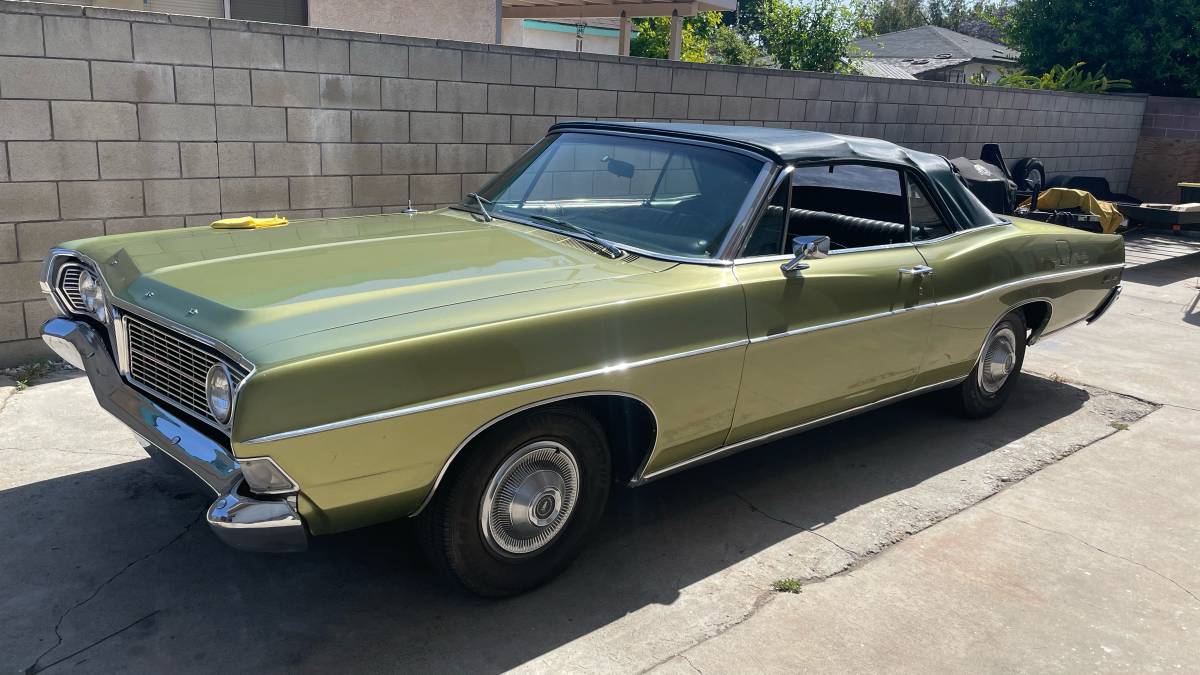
(805, 248)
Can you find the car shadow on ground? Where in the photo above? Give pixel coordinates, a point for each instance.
(1160, 260)
(118, 559)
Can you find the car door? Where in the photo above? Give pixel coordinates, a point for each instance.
(847, 331)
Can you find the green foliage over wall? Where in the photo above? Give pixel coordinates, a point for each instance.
(814, 35)
(1153, 43)
(1060, 78)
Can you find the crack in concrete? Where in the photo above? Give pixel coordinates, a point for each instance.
(74, 452)
(77, 652)
(764, 598)
(690, 664)
(35, 668)
(1092, 546)
(783, 521)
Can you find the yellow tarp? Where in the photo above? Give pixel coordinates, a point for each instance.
(248, 223)
(1068, 198)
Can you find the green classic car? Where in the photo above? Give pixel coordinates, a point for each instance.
(624, 302)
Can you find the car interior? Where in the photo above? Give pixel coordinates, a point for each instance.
(855, 205)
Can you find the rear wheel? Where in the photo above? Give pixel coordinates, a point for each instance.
(995, 374)
(517, 510)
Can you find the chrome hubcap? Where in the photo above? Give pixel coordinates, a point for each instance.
(999, 360)
(529, 499)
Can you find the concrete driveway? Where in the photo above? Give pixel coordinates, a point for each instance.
(105, 564)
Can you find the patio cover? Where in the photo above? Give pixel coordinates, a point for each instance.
(624, 9)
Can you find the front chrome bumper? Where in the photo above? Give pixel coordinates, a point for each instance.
(238, 518)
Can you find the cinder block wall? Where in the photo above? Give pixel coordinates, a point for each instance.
(1168, 151)
(115, 121)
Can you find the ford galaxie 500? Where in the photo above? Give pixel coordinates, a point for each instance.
(625, 301)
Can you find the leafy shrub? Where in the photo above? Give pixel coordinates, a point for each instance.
(1060, 78)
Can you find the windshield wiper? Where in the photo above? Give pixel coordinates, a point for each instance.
(612, 250)
(487, 217)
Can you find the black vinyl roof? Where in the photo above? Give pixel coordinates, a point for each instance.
(784, 145)
(788, 146)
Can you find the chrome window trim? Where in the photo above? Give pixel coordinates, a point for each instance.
(491, 393)
(500, 418)
(905, 171)
(733, 448)
(722, 257)
(761, 208)
(840, 251)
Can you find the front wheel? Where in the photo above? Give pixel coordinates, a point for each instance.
(995, 374)
(516, 510)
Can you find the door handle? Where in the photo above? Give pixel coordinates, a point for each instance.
(917, 271)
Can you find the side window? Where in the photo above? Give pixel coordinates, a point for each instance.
(925, 220)
(855, 205)
(767, 236)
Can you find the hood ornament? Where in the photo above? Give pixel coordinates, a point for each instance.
(410, 210)
(193, 312)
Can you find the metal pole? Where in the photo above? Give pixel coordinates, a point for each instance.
(676, 35)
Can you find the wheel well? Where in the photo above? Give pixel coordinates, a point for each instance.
(1037, 315)
(629, 425)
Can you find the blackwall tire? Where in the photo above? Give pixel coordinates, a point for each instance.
(517, 508)
(996, 372)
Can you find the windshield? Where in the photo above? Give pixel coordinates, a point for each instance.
(657, 195)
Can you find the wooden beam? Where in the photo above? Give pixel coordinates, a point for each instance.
(676, 37)
(584, 11)
(623, 38)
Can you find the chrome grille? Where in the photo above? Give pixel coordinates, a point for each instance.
(173, 366)
(69, 285)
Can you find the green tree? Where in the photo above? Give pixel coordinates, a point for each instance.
(1153, 43)
(889, 16)
(815, 35)
(729, 46)
(749, 18)
(653, 40)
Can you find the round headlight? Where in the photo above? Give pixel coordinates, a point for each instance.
(220, 392)
(93, 296)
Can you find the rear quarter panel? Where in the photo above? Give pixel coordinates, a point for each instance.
(980, 275)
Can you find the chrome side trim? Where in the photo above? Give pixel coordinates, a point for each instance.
(939, 303)
(493, 422)
(835, 324)
(733, 448)
(1077, 272)
(444, 403)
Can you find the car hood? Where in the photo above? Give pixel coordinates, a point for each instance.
(249, 288)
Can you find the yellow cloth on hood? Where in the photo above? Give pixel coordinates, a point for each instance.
(1069, 198)
(248, 223)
